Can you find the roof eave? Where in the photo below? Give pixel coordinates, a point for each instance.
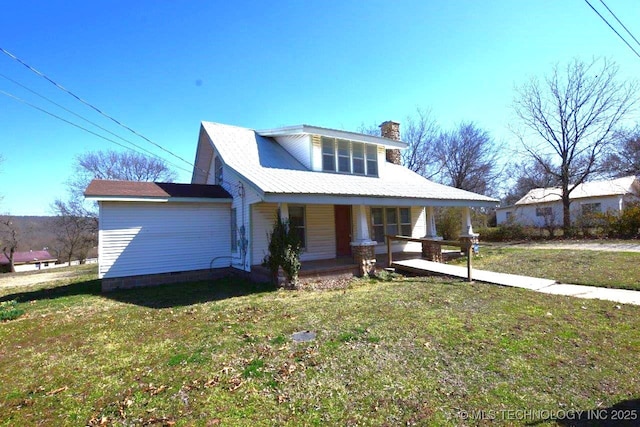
(374, 200)
(158, 199)
(333, 133)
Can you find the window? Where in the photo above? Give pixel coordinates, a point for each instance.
(509, 215)
(392, 221)
(358, 158)
(372, 160)
(46, 264)
(591, 208)
(405, 221)
(234, 230)
(339, 155)
(344, 156)
(218, 171)
(328, 155)
(377, 224)
(297, 222)
(545, 211)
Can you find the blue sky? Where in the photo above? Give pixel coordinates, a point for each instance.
(161, 67)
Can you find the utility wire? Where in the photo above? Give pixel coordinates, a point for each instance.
(614, 30)
(620, 22)
(73, 124)
(88, 121)
(62, 88)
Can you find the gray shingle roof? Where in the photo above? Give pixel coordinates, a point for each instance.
(273, 170)
(162, 190)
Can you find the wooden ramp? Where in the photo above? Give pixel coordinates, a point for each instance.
(424, 267)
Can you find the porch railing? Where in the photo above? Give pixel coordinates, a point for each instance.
(465, 243)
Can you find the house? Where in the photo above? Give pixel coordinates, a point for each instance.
(342, 191)
(28, 261)
(542, 207)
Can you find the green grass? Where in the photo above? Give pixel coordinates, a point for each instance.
(406, 352)
(591, 268)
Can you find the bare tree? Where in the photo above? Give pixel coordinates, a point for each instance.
(624, 160)
(115, 165)
(75, 230)
(569, 120)
(527, 175)
(9, 240)
(467, 158)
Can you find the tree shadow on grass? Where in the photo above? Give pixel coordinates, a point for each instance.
(88, 287)
(184, 294)
(163, 296)
(622, 414)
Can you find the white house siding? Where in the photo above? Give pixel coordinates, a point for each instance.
(526, 214)
(262, 217)
(150, 238)
(320, 233)
(299, 146)
(316, 153)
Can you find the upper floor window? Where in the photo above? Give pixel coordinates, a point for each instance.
(340, 155)
(218, 171)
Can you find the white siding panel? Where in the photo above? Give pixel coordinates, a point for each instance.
(321, 233)
(316, 153)
(299, 146)
(262, 217)
(151, 238)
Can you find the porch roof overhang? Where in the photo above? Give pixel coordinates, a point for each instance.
(328, 199)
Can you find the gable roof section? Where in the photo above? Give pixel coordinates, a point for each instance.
(613, 187)
(28, 257)
(279, 177)
(100, 189)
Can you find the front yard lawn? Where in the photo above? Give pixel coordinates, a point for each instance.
(591, 268)
(409, 352)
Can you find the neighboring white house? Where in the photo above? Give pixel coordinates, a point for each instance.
(28, 261)
(339, 189)
(542, 207)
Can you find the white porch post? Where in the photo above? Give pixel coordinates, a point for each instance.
(467, 228)
(362, 226)
(284, 211)
(431, 223)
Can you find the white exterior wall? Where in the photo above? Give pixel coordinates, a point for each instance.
(32, 267)
(262, 217)
(148, 238)
(299, 146)
(243, 196)
(526, 214)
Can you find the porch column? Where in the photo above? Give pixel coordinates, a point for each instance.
(431, 251)
(467, 228)
(362, 247)
(431, 224)
(362, 226)
(284, 211)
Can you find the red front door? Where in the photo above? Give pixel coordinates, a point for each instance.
(343, 229)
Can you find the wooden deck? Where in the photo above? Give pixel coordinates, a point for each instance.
(424, 267)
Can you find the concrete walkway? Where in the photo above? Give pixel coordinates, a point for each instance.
(547, 286)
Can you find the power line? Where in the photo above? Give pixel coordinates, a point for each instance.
(73, 124)
(87, 120)
(62, 88)
(614, 30)
(620, 22)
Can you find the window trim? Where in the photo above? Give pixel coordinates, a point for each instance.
(385, 224)
(234, 230)
(304, 223)
(369, 154)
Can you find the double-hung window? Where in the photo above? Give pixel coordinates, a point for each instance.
(297, 222)
(393, 221)
(234, 230)
(339, 155)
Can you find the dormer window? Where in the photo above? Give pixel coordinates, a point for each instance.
(340, 155)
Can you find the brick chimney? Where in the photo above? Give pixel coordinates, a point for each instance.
(391, 130)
